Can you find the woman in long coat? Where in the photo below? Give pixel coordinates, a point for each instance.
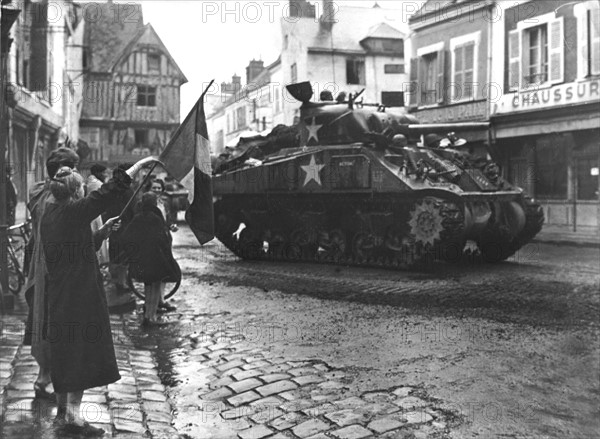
(147, 242)
(79, 333)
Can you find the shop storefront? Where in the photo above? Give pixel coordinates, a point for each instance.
(550, 145)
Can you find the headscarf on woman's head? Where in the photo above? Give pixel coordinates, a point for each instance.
(65, 184)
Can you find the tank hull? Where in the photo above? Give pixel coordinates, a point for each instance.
(352, 204)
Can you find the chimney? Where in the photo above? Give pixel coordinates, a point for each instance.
(236, 83)
(254, 69)
(302, 9)
(329, 16)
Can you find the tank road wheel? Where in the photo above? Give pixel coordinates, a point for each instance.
(302, 245)
(402, 246)
(276, 240)
(250, 244)
(363, 246)
(334, 244)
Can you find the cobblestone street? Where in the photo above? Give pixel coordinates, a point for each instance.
(263, 350)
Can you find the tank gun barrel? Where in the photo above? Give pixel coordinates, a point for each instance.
(442, 127)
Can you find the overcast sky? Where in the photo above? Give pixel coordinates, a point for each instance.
(215, 39)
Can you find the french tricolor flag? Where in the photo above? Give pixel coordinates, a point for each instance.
(187, 159)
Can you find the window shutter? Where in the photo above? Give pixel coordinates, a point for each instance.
(414, 82)
(595, 38)
(582, 40)
(457, 68)
(514, 59)
(469, 70)
(441, 75)
(39, 54)
(556, 48)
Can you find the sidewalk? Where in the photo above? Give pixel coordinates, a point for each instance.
(584, 236)
(136, 406)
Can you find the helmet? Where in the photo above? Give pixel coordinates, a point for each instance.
(432, 140)
(399, 140)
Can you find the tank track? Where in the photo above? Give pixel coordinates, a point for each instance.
(387, 233)
(499, 241)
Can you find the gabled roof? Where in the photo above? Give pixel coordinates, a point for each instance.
(145, 36)
(384, 30)
(354, 23)
(106, 37)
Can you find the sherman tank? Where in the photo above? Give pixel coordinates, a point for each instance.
(353, 183)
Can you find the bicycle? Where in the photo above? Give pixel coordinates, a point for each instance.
(18, 237)
(138, 287)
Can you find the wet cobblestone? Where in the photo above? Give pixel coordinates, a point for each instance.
(126, 409)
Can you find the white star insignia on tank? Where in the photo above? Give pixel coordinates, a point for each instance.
(313, 129)
(312, 170)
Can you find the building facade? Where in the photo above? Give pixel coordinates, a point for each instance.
(132, 87)
(43, 93)
(547, 121)
(450, 65)
(335, 48)
(532, 70)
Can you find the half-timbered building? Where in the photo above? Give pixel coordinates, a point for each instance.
(131, 87)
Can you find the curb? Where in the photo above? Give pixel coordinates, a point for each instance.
(567, 242)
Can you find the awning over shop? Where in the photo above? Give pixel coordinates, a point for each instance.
(582, 117)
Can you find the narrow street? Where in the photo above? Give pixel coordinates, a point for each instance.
(302, 350)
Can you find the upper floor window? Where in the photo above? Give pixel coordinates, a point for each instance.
(153, 63)
(294, 73)
(427, 75)
(537, 46)
(588, 38)
(241, 117)
(355, 71)
(464, 66)
(146, 96)
(536, 52)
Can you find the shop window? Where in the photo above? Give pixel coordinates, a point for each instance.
(550, 170)
(392, 98)
(141, 138)
(587, 178)
(146, 96)
(355, 71)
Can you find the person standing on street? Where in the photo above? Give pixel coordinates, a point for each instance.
(35, 287)
(78, 331)
(150, 257)
(117, 267)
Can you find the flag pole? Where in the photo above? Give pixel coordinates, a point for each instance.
(137, 191)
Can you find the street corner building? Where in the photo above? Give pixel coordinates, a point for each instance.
(532, 70)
